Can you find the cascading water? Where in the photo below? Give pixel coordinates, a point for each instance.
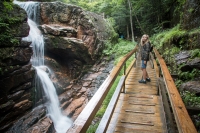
(61, 122)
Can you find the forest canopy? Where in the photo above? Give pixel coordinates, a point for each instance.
(148, 16)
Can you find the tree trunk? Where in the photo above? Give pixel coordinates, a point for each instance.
(139, 23)
(131, 21)
(128, 36)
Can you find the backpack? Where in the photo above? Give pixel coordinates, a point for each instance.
(151, 47)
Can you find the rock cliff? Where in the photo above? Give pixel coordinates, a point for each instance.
(16, 72)
(74, 40)
(73, 36)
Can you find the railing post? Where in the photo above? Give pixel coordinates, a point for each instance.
(125, 75)
(125, 69)
(136, 55)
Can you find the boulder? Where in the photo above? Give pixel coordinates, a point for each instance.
(194, 63)
(191, 86)
(182, 57)
(29, 120)
(73, 37)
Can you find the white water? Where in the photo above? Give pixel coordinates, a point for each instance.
(61, 122)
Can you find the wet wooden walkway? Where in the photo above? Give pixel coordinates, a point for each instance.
(139, 109)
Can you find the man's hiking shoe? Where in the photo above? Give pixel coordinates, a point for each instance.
(148, 79)
(142, 81)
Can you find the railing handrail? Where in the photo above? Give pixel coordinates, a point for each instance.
(103, 125)
(84, 119)
(182, 118)
(105, 120)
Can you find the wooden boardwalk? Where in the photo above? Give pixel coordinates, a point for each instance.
(139, 109)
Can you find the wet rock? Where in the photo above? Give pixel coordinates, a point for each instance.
(15, 80)
(65, 96)
(16, 95)
(29, 120)
(22, 87)
(194, 63)
(191, 86)
(24, 43)
(59, 30)
(66, 103)
(6, 106)
(73, 106)
(76, 88)
(78, 111)
(15, 56)
(182, 57)
(16, 72)
(17, 110)
(23, 105)
(86, 84)
(74, 34)
(69, 87)
(83, 90)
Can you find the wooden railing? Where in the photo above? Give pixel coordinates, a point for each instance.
(182, 118)
(103, 125)
(85, 118)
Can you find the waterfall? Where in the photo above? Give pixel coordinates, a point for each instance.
(61, 122)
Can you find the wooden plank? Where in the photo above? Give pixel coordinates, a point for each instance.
(157, 126)
(109, 111)
(149, 86)
(141, 117)
(183, 120)
(140, 108)
(136, 99)
(147, 91)
(122, 129)
(141, 96)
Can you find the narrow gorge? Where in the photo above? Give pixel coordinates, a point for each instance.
(59, 45)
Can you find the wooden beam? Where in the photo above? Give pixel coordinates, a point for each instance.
(183, 120)
(168, 115)
(103, 125)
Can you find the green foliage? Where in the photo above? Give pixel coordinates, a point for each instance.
(171, 51)
(119, 50)
(189, 75)
(194, 31)
(93, 128)
(167, 36)
(6, 23)
(178, 83)
(195, 53)
(8, 5)
(190, 99)
(150, 15)
(111, 24)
